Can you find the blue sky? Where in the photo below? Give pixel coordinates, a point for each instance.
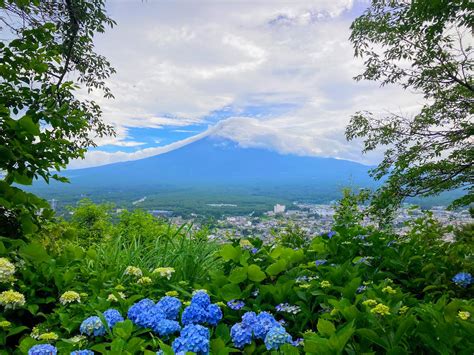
(270, 74)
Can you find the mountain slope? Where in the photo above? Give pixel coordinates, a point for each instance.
(222, 162)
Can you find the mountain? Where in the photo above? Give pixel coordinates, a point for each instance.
(214, 161)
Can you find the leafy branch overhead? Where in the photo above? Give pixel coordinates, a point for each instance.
(46, 56)
(425, 47)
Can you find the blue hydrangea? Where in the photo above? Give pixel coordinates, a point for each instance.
(241, 335)
(170, 306)
(82, 352)
(462, 279)
(201, 299)
(265, 321)
(193, 338)
(112, 316)
(236, 304)
(194, 314)
(166, 327)
(214, 314)
(92, 326)
(249, 319)
(138, 313)
(276, 337)
(331, 234)
(320, 262)
(43, 349)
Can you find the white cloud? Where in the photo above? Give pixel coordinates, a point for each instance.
(179, 61)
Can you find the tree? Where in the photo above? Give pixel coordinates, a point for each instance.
(46, 55)
(426, 47)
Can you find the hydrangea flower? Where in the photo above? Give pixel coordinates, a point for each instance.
(381, 309)
(236, 304)
(92, 326)
(166, 327)
(50, 336)
(166, 272)
(464, 315)
(194, 314)
(82, 352)
(5, 324)
(138, 312)
(462, 279)
(241, 335)
(193, 338)
(254, 250)
(43, 349)
(276, 337)
(249, 319)
(298, 342)
(325, 284)
(145, 280)
(11, 299)
(172, 293)
(170, 306)
(113, 298)
(389, 289)
(69, 297)
(403, 309)
(112, 316)
(287, 308)
(320, 262)
(7, 270)
(133, 271)
(361, 289)
(265, 321)
(369, 302)
(201, 299)
(214, 314)
(331, 234)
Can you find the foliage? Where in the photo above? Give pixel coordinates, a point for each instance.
(43, 121)
(352, 290)
(426, 47)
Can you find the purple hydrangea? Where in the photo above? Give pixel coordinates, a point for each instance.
(236, 304)
(43, 349)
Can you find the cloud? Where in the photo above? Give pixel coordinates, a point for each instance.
(183, 63)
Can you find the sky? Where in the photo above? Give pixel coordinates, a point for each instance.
(263, 73)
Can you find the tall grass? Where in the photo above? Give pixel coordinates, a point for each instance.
(141, 240)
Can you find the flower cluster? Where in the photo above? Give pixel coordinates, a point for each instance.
(262, 326)
(193, 338)
(92, 326)
(69, 297)
(160, 317)
(166, 272)
(43, 349)
(325, 284)
(113, 298)
(50, 336)
(82, 352)
(235, 304)
(133, 271)
(7, 269)
(145, 280)
(285, 307)
(381, 309)
(11, 299)
(201, 311)
(389, 289)
(464, 315)
(5, 324)
(463, 279)
(320, 262)
(112, 317)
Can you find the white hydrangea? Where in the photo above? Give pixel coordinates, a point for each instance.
(7, 269)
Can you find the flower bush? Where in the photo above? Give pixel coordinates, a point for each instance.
(355, 289)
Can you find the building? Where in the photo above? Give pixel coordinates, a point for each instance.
(279, 208)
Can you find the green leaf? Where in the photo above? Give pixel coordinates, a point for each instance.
(238, 275)
(326, 328)
(276, 268)
(27, 124)
(228, 252)
(255, 273)
(230, 291)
